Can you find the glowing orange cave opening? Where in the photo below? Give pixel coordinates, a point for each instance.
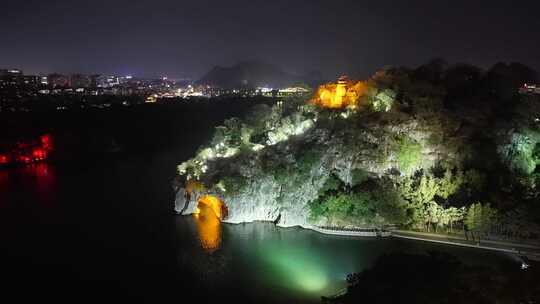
(210, 211)
(214, 204)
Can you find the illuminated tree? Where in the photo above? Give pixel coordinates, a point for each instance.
(454, 215)
(409, 153)
(422, 193)
(519, 152)
(450, 183)
(345, 208)
(480, 218)
(381, 101)
(435, 215)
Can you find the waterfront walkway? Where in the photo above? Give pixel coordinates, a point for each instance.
(532, 251)
(367, 232)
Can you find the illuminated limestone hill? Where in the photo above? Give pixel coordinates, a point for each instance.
(293, 162)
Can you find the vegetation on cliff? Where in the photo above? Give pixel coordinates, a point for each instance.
(433, 148)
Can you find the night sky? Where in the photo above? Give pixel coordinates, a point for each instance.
(186, 38)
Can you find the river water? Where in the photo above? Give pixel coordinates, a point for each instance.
(105, 230)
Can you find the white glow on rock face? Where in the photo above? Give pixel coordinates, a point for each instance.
(257, 147)
(289, 126)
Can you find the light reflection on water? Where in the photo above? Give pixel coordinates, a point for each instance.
(296, 267)
(38, 179)
(208, 228)
(3, 177)
(289, 264)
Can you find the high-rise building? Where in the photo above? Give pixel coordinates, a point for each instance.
(11, 77)
(44, 80)
(94, 79)
(11, 72)
(31, 81)
(106, 81)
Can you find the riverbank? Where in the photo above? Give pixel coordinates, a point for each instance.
(529, 250)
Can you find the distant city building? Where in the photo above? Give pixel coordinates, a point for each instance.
(10, 72)
(18, 91)
(44, 80)
(293, 91)
(212, 91)
(124, 79)
(530, 89)
(58, 81)
(11, 77)
(32, 81)
(102, 81)
(79, 81)
(94, 80)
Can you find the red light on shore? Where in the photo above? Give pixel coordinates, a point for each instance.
(39, 154)
(29, 151)
(24, 159)
(46, 142)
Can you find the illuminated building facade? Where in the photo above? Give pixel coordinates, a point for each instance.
(345, 93)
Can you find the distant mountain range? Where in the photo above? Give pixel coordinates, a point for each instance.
(256, 74)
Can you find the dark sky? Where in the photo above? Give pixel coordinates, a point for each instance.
(186, 38)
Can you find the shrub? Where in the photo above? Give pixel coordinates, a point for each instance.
(358, 176)
(383, 101)
(307, 160)
(229, 135)
(480, 217)
(344, 207)
(520, 151)
(391, 206)
(233, 131)
(332, 183)
(409, 153)
(234, 183)
(281, 173)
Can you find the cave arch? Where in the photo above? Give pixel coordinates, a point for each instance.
(215, 204)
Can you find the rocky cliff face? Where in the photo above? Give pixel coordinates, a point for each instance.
(395, 149)
(273, 168)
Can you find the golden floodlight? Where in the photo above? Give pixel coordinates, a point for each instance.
(344, 93)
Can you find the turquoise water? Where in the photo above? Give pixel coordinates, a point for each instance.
(294, 264)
